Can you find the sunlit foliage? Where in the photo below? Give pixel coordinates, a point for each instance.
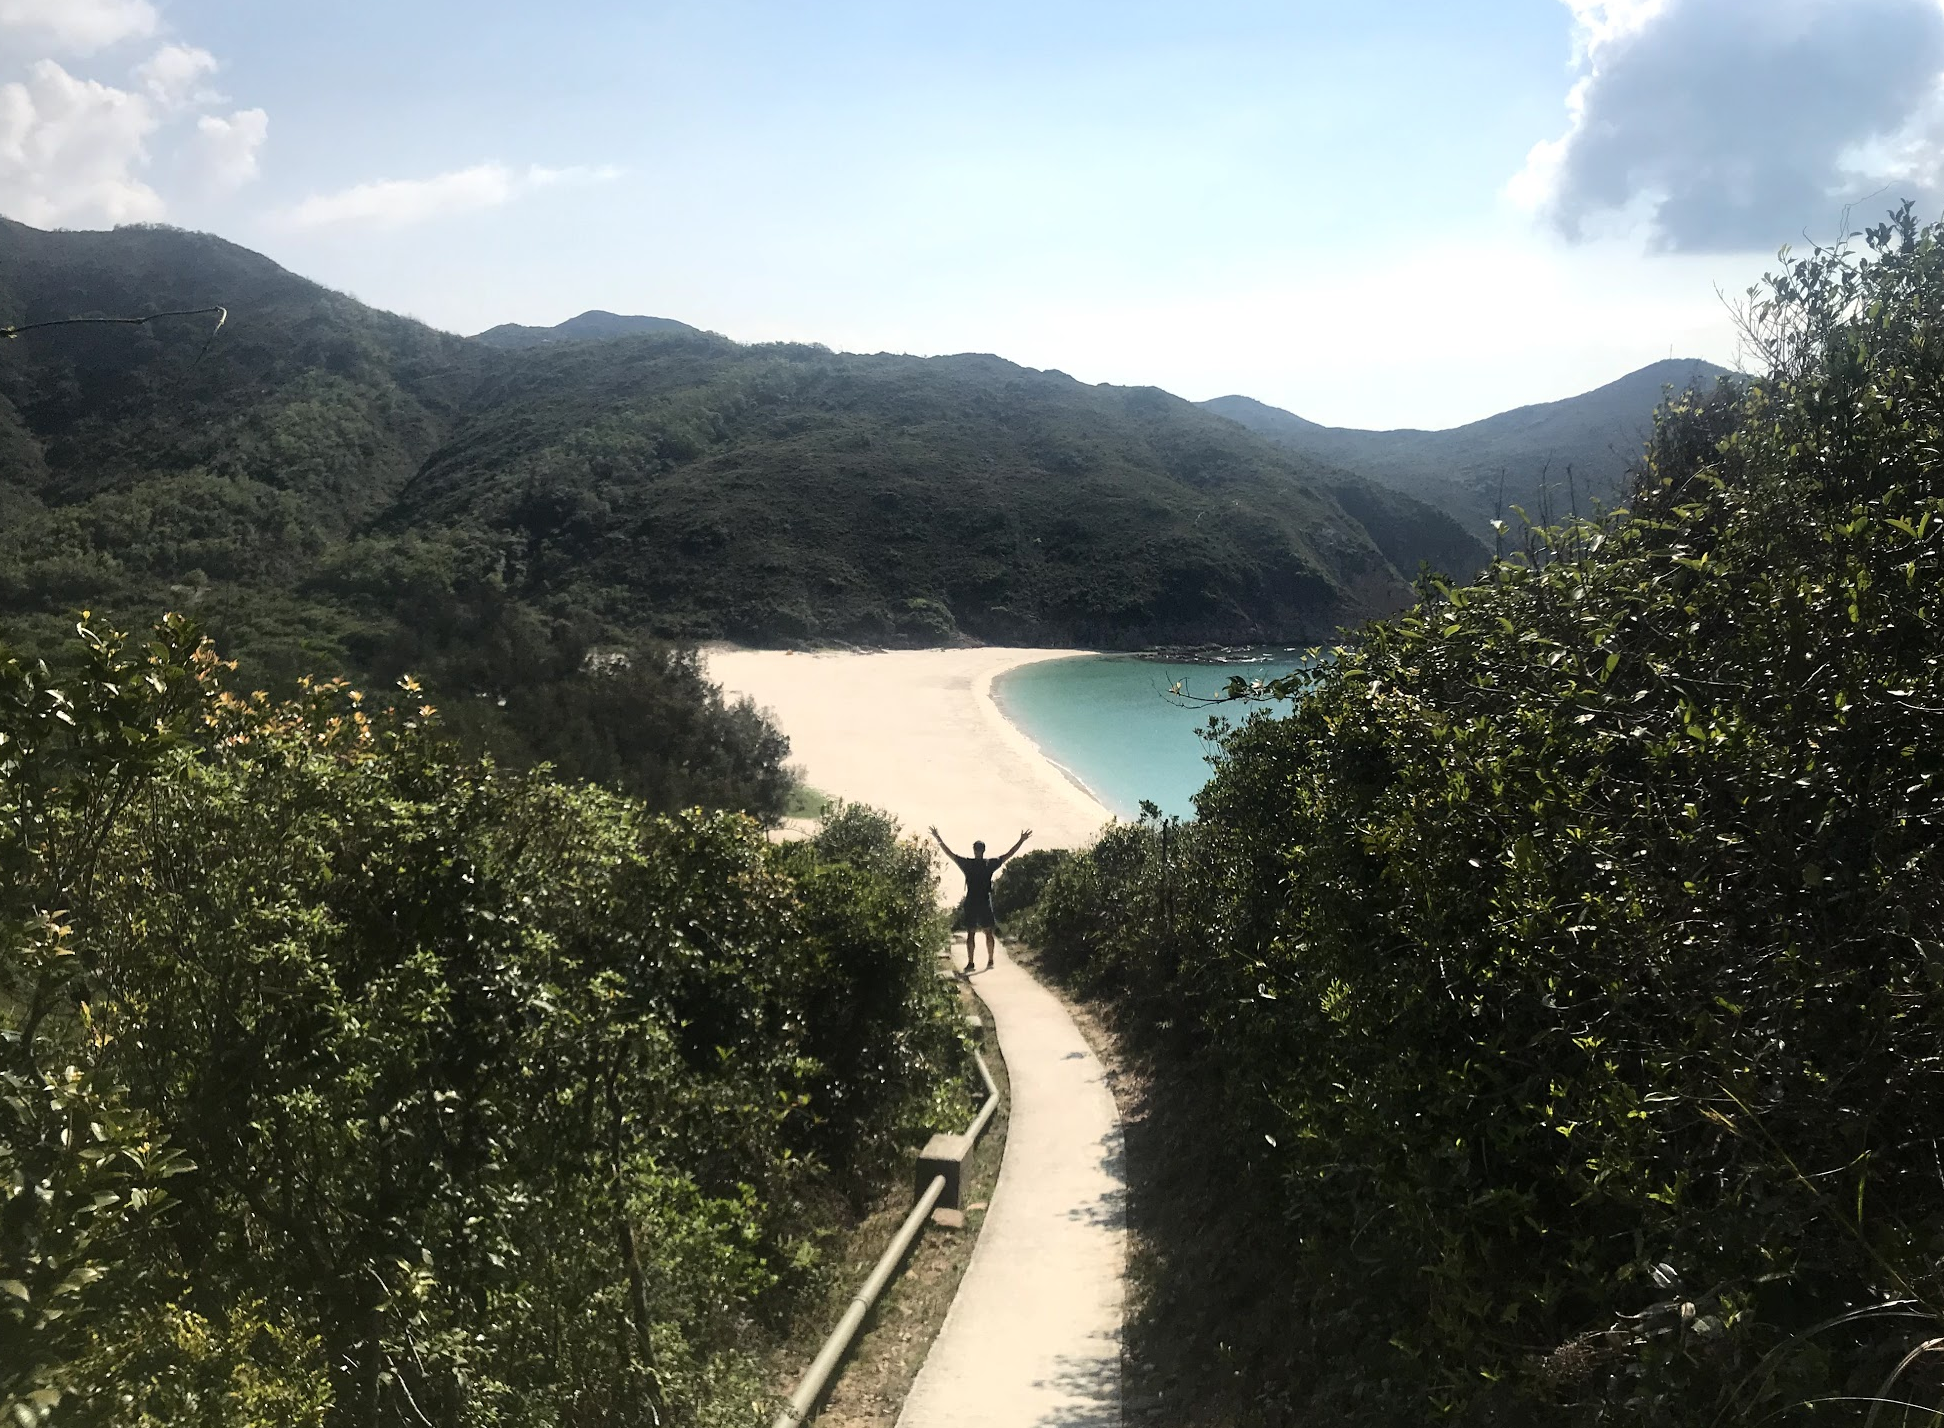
(1563, 978)
(348, 1079)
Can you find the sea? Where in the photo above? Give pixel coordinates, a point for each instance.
(1117, 725)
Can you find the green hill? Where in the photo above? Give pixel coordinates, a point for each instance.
(326, 484)
(156, 466)
(703, 488)
(1548, 458)
(591, 326)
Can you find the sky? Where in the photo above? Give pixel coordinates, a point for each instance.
(1387, 213)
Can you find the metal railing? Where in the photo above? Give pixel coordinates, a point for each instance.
(817, 1377)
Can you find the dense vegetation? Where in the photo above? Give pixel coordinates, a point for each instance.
(590, 326)
(319, 474)
(348, 1080)
(1553, 460)
(766, 492)
(1547, 1017)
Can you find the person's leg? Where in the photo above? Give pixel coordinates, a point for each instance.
(970, 934)
(988, 933)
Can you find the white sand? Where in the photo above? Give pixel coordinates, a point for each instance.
(916, 733)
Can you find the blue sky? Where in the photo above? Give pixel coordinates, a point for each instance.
(1378, 214)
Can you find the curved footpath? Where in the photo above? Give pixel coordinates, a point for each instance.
(1033, 1338)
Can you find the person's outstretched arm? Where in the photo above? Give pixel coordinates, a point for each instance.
(1014, 849)
(941, 843)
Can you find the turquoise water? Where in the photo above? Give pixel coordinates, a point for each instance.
(1111, 721)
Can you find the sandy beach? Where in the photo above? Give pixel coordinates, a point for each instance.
(916, 732)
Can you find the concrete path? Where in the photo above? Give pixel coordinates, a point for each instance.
(1033, 1339)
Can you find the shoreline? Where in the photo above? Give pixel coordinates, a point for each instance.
(1014, 730)
(918, 734)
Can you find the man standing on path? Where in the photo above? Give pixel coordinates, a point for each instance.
(978, 870)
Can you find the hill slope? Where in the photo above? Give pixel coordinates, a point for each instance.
(331, 485)
(784, 491)
(591, 326)
(153, 467)
(1522, 457)
(303, 389)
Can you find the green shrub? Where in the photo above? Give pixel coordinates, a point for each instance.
(926, 621)
(173, 1368)
(1564, 1003)
(489, 1099)
(883, 1030)
(1017, 890)
(82, 1170)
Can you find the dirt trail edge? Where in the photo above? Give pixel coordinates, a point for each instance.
(1033, 1339)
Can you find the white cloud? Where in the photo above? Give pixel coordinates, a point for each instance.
(174, 74)
(1733, 125)
(540, 177)
(74, 150)
(81, 25)
(226, 149)
(401, 203)
(1601, 22)
(70, 150)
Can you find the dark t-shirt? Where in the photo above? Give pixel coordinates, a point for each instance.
(978, 879)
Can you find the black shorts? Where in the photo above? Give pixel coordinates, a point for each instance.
(974, 916)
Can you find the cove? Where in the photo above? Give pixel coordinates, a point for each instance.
(1111, 723)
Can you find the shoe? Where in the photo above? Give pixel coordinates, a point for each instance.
(988, 964)
(970, 968)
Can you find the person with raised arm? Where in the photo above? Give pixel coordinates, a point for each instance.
(978, 870)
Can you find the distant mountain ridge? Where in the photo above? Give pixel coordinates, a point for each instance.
(1547, 458)
(594, 325)
(334, 488)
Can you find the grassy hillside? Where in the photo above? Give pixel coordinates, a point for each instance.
(1547, 458)
(328, 485)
